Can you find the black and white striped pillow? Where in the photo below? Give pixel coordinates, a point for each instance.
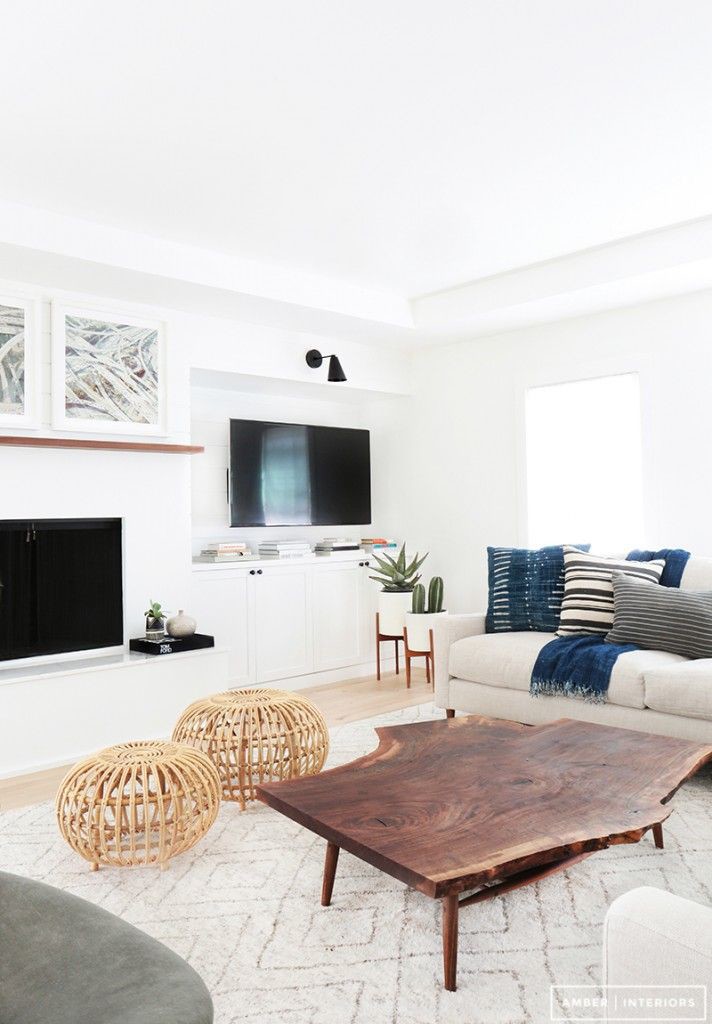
(587, 606)
(662, 618)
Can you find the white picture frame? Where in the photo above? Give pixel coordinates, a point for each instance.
(30, 399)
(82, 386)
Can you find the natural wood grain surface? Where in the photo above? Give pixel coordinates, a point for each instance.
(28, 441)
(451, 805)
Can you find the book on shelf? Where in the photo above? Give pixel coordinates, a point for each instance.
(232, 545)
(284, 555)
(327, 546)
(214, 559)
(224, 554)
(284, 549)
(285, 546)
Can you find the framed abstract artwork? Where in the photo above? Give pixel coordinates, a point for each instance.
(20, 362)
(108, 372)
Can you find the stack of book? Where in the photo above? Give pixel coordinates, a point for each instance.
(231, 551)
(331, 544)
(376, 543)
(284, 549)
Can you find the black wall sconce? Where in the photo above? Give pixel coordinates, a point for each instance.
(315, 359)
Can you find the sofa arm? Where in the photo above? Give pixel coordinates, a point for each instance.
(446, 631)
(651, 937)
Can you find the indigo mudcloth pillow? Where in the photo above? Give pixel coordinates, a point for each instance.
(525, 588)
(661, 618)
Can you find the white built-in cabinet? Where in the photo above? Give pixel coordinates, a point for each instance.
(281, 621)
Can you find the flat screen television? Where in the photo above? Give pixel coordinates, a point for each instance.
(292, 474)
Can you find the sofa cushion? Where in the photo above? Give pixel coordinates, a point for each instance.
(697, 574)
(498, 659)
(682, 689)
(507, 659)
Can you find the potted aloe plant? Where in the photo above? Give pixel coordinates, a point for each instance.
(397, 576)
(419, 620)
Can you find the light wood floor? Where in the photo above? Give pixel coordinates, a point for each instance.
(342, 702)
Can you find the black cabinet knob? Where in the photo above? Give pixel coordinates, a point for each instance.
(252, 572)
(259, 572)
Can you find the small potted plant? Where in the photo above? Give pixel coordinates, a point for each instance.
(397, 576)
(418, 620)
(155, 621)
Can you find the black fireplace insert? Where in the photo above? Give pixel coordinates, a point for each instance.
(60, 586)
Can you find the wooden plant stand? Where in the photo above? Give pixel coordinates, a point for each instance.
(385, 636)
(428, 655)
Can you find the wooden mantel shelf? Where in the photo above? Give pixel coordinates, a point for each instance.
(17, 441)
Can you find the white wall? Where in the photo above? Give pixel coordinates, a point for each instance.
(152, 492)
(462, 471)
(211, 410)
(147, 491)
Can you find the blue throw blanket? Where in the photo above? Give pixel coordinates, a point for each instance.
(581, 666)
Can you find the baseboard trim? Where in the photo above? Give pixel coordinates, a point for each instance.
(332, 675)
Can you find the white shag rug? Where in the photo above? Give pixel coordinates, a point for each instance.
(243, 908)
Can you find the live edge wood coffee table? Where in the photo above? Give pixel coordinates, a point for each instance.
(480, 806)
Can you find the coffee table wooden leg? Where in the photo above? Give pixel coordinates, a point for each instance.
(451, 906)
(330, 862)
(658, 836)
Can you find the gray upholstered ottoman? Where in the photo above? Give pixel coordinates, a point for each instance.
(65, 961)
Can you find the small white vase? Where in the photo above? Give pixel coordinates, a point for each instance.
(181, 625)
(419, 626)
(391, 611)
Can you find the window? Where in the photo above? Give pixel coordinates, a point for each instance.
(584, 463)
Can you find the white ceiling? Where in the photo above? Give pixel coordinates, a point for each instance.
(404, 146)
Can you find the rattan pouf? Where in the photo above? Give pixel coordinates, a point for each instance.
(255, 736)
(138, 803)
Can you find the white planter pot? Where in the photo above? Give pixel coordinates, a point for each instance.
(419, 627)
(391, 612)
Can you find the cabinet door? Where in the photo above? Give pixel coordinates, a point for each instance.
(369, 605)
(282, 622)
(220, 607)
(338, 615)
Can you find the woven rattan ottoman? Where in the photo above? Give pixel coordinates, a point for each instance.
(254, 736)
(138, 803)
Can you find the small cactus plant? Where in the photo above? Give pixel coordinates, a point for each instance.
(435, 597)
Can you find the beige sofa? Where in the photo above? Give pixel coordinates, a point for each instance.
(654, 691)
(653, 938)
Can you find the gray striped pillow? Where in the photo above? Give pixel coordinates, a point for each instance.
(661, 618)
(587, 606)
